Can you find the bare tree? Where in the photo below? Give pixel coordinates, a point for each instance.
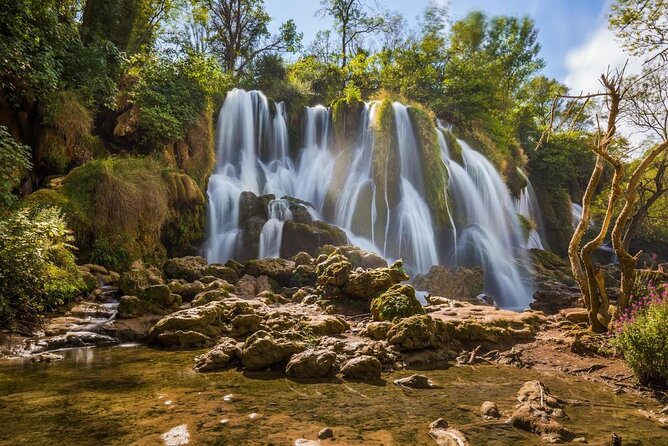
(353, 19)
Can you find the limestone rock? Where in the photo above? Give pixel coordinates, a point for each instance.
(190, 290)
(363, 367)
(365, 284)
(206, 297)
(416, 332)
(459, 283)
(415, 382)
(222, 272)
(262, 350)
(132, 281)
(219, 357)
(445, 435)
(489, 411)
(325, 325)
(311, 364)
(279, 270)
(396, 303)
(189, 268)
(333, 271)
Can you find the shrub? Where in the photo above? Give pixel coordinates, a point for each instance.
(37, 266)
(641, 336)
(14, 161)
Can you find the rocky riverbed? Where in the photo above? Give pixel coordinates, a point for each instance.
(278, 349)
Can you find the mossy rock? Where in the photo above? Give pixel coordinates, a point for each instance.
(133, 281)
(396, 303)
(363, 285)
(346, 122)
(190, 268)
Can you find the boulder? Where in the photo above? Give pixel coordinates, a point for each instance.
(445, 435)
(333, 271)
(219, 357)
(376, 330)
(415, 382)
(417, 332)
(365, 284)
(262, 350)
(206, 297)
(206, 320)
(553, 296)
(363, 367)
(222, 272)
(325, 325)
(244, 324)
(160, 296)
(537, 419)
(304, 275)
(132, 281)
(311, 364)
(279, 270)
(189, 268)
(309, 237)
(458, 283)
(575, 315)
(302, 258)
(489, 411)
(398, 302)
(190, 290)
(358, 257)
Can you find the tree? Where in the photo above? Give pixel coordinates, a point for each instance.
(352, 19)
(642, 25)
(241, 33)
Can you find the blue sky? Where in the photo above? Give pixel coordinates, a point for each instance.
(576, 44)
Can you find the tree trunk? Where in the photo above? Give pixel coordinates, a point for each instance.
(627, 262)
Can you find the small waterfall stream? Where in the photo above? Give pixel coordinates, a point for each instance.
(253, 154)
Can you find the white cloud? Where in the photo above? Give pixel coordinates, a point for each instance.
(586, 63)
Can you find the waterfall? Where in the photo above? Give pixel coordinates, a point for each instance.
(488, 231)
(272, 231)
(253, 154)
(527, 206)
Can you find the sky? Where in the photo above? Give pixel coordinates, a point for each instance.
(576, 43)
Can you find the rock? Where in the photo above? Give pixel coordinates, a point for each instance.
(96, 269)
(325, 433)
(376, 330)
(190, 290)
(415, 382)
(73, 340)
(446, 436)
(219, 357)
(262, 350)
(46, 357)
(279, 270)
(133, 281)
(358, 257)
(459, 283)
(309, 237)
(325, 325)
(302, 258)
(244, 324)
(575, 315)
(206, 297)
(489, 411)
(131, 330)
(207, 320)
(304, 276)
(131, 306)
(189, 268)
(363, 285)
(367, 368)
(184, 339)
(90, 281)
(246, 287)
(535, 392)
(416, 332)
(176, 286)
(222, 272)
(160, 296)
(553, 296)
(91, 310)
(176, 436)
(333, 271)
(207, 280)
(311, 364)
(396, 303)
(537, 420)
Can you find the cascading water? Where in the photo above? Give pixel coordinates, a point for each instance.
(527, 206)
(487, 227)
(272, 231)
(253, 155)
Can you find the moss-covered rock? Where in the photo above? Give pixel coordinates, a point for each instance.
(222, 272)
(333, 271)
(363, 285)
(458, 283)
(206, 297)
(417, 332)
(262, 350)
(279, 270)
(396, 303)
(139, 277)
(302, 237)
(190, 268)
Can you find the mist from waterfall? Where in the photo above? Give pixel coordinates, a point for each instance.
(253, 154)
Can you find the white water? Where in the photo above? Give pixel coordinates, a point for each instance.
(253, 154)
(527, 205)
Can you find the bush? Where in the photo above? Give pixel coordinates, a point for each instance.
(37, 266)
(641, 337)
(14, 162)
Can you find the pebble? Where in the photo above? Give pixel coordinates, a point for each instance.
(228, 398)
(176, 436)
(253, 416)
(325, 433)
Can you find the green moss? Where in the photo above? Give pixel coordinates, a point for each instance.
(346, 122)
(435, 173)
(454, 148)
(124, 209)
(386, 168)
(396, 303)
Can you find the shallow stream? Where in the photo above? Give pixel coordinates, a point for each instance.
(133, 395)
